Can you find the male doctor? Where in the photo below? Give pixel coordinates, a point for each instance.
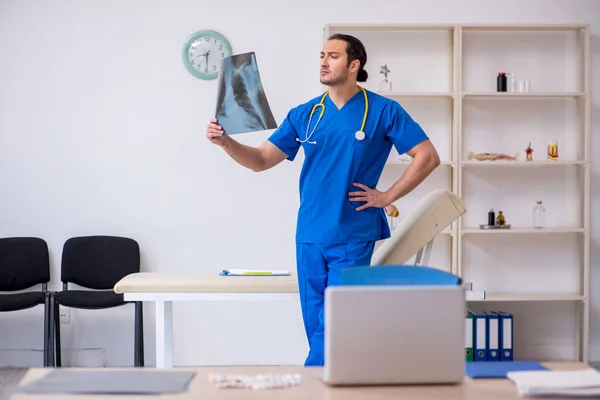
(341, 214)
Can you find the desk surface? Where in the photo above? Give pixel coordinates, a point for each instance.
(312, 388)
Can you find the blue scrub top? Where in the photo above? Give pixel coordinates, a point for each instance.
(338, 159)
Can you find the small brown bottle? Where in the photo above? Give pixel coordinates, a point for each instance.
(500, 221)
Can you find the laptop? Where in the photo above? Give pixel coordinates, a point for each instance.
(383, 335)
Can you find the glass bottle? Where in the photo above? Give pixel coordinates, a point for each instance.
(500, 220)
(392, 212)
(539, 215)
(512, 82)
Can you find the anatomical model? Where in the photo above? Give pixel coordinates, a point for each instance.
(529, 152)
(491, 156)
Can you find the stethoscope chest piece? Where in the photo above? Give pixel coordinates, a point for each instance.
(359, 135)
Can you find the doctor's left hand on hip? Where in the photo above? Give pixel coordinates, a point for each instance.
(371, 197)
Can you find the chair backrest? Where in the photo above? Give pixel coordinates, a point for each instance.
(434, 213)
(24, 263)
(99, 262)
(397, 275)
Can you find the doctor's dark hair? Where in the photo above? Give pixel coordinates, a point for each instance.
(356, 51)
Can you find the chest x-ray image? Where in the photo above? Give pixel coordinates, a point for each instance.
(242, 104)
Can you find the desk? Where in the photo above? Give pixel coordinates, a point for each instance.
(312, 388)
(163, 289)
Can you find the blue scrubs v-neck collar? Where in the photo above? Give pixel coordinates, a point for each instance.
(331, 104)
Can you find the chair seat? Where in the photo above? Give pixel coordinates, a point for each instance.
(20, 301)
(89, 299)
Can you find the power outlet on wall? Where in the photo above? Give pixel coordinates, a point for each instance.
(65, 315)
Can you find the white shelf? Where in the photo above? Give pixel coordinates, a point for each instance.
(514, 95)
(524, 28)
(519, 164)
(524, 297)
(451, 27)
(390, 27)
(522, 230)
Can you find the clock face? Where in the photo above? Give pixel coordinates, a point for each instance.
(203, 52)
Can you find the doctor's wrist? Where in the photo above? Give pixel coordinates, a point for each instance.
(389, 198)
(225, 142)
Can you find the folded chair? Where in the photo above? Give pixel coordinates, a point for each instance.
(25, 263)
(415, 234)
(97, 263)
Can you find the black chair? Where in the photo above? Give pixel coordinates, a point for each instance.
(97, 263)
(25, 263)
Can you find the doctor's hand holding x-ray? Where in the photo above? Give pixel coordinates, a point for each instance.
(346, 134)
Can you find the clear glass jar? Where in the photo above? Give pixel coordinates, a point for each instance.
(539, 215)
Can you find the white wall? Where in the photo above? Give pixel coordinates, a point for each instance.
(102, 131)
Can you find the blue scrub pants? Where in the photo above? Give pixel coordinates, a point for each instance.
(320, 265)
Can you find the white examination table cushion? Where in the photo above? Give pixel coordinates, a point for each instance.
(156, 282)
(434, 213)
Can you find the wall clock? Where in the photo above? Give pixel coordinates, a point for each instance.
(203, 52)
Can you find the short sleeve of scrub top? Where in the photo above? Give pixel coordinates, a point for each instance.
(285, 136)
(404, 132)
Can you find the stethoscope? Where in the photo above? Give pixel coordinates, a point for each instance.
(359, 135)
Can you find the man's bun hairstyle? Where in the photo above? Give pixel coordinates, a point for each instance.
(362, 76)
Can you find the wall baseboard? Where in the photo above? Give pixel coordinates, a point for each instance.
(31, 358)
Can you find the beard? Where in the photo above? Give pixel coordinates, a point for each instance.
(336, 80)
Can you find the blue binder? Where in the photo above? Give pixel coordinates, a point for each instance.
(480, 337)
(506, 336)
(493, 337)
(499, 369)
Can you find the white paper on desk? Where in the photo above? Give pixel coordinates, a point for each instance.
(255, 272)
(142, 381)
(559, 383)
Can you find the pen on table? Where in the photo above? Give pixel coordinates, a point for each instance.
(257, 273)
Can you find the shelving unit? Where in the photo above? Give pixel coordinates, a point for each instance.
(445, 77)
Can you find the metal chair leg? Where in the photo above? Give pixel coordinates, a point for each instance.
(139, 335)
(47, 327)
(51, 358)
(57, 351)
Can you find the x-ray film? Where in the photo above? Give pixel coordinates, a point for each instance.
(242, 105)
